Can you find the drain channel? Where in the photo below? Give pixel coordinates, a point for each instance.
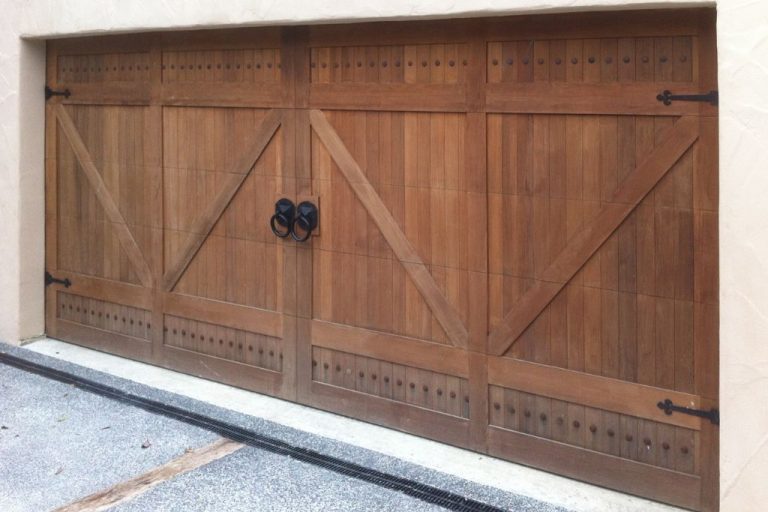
(412, 488)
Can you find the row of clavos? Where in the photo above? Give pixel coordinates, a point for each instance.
(451, 63)
(384, 63)
(100, 314)
(576, 424)
(495, 62)
(386, 379)
(221, 341)
(99, 69)
(575, 60)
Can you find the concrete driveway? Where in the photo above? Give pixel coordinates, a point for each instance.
(65, 448)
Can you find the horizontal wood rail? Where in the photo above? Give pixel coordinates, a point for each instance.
(108, 290)
(261, 95)
(390, 347)
(591, 390)
(110, 93)
(396, 96)
(530, 97)
(217, 94)
(586, 98)
(259, 321)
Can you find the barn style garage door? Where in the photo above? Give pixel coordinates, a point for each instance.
(516, 240)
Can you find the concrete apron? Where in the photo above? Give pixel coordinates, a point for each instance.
(470, 474)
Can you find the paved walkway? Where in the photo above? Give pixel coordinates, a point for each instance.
(61, 445)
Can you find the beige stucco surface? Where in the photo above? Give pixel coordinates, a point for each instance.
(743, 70)
(743, 75)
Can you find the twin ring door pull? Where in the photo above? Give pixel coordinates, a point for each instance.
(297, 221)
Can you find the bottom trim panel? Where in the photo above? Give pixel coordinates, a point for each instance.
(224, 371)
(439, 392)
(106, 341)
(624, 475)
(381, 411)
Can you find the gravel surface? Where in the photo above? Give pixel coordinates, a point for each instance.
(59, 443)
(59, 429)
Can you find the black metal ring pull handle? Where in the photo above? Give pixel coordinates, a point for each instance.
(306, 221)
(285, 211)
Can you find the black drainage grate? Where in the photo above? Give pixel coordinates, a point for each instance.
(412, 488)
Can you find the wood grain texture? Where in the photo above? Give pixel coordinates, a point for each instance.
(509, 220)
(396, 349)
(596, 429)
(405, 417)
(225, 314)
(419, 97)
(584, 98)
(118, 223)
(673, 487)
(596, 391)
(389, 228)
(105, 315)
(203, 225)
(51, 195)
(422, 388)
(107, 341)
(588, 240)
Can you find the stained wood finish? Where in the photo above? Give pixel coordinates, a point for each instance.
(517, 250)
(96, 185)
(235, 177)
(591, 237)
(423, 388)
(404, 252)
(104, 315)
(162, 208)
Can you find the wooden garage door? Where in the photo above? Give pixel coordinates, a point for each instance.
(159, 174)
(517, 244)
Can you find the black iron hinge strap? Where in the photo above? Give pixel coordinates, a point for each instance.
(50, 93)
(668, 407)
(666, 97)
(49, 280)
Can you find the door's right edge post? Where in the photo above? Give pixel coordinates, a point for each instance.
(706, 263)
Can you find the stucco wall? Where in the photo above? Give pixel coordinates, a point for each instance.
(743, 74)
(10, 55)
(743, 63)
